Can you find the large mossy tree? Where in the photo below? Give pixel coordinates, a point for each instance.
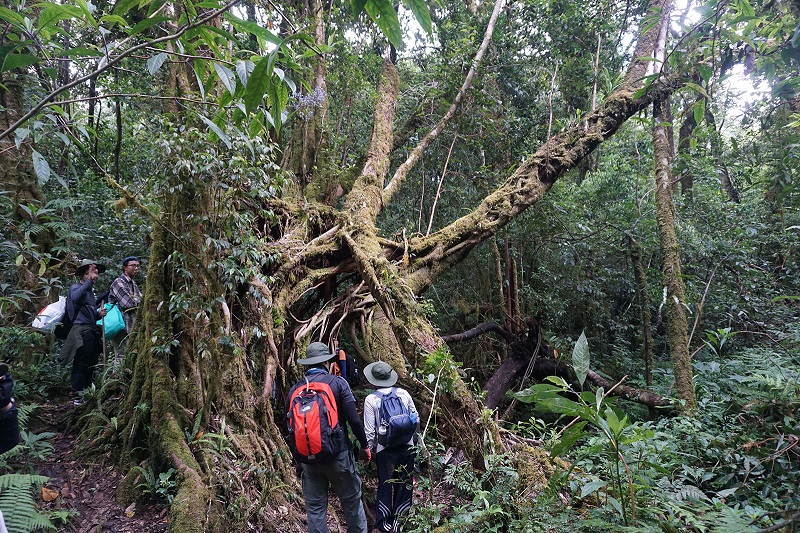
(267, 235)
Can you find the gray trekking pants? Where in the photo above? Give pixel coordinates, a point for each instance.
(340, 474)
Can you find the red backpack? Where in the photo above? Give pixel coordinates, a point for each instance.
(313, 420)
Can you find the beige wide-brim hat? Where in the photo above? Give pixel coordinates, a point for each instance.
(380, 374)
(316, 353)
(85, 264)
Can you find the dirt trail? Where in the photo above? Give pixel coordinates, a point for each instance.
(87, 487)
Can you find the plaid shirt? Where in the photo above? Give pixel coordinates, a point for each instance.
(125, 293)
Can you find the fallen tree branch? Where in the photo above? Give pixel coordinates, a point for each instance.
(648, 398)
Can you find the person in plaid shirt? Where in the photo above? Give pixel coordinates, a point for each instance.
(126, 294)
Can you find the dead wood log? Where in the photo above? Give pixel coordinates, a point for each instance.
(645, 397)
(533, 359)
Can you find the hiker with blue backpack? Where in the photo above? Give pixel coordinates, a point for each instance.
(391, 422)
(319, 409)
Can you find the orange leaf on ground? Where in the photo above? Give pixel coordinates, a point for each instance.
(49, 495)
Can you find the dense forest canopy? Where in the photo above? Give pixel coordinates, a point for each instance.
(571, 226)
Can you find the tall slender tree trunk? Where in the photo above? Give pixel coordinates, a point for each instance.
(677, 320)
(643, 298)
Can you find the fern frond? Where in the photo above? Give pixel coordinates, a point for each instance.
(24, 413)
(727, 521)
(18, 504)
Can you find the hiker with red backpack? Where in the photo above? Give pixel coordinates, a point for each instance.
(319, 408)
(391, 422)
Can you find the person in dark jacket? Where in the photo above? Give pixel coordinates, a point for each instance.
(9, 423)
(84, 342)
(338, 472)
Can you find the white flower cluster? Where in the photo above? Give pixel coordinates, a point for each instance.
(307, 102)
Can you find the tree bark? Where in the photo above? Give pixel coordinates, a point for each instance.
(725, 180)
(677, 321)
(643, 299)
(17, 176)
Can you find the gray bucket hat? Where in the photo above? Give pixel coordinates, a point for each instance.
(317, 352)
(380, 374)
(85, 265)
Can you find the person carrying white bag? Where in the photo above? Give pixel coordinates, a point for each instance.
(51, 315)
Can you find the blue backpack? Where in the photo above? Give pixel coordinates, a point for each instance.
(396, 423)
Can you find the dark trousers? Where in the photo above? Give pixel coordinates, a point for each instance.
(86, 358)
(9, 429)
(395, 486)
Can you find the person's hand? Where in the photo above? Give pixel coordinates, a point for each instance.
(92, 273)
(102, 311)
(365, 455)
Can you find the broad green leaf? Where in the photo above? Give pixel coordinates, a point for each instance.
(123, 6)
(699, 111)
(558, 380)
(614, 423)
(744, 8)
(20, 135)
(358, 7)
(592, 487)
(200, 84)
(696, 88)
(568, 438)
(226, 77)
(12, 17)
(41, 167)
(258, 83)
(56, 13)
(383, 14)
(420, 10)
(154, 63)
(535, 392)
(13, 61)
(145, 24)
(4, 52)
(580, 358)
(153, 7)
(251, 27)
(114, 19)
(563, 406)
(87, 11)
(217, 131)
(599, 394)
(705, 72)
(243, 70)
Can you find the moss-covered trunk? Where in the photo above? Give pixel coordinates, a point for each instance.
(18, 178)
(195, 403)
(677, 321)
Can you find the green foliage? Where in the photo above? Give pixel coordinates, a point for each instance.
(159, 485)
(18, 504)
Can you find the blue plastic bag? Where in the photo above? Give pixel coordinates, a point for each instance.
(113, 323)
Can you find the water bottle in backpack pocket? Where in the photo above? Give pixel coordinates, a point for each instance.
(396, 423)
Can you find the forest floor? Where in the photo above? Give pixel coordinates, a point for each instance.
(85, 488)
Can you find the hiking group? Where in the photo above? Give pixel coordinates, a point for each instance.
(320, 408)
(86, 325)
